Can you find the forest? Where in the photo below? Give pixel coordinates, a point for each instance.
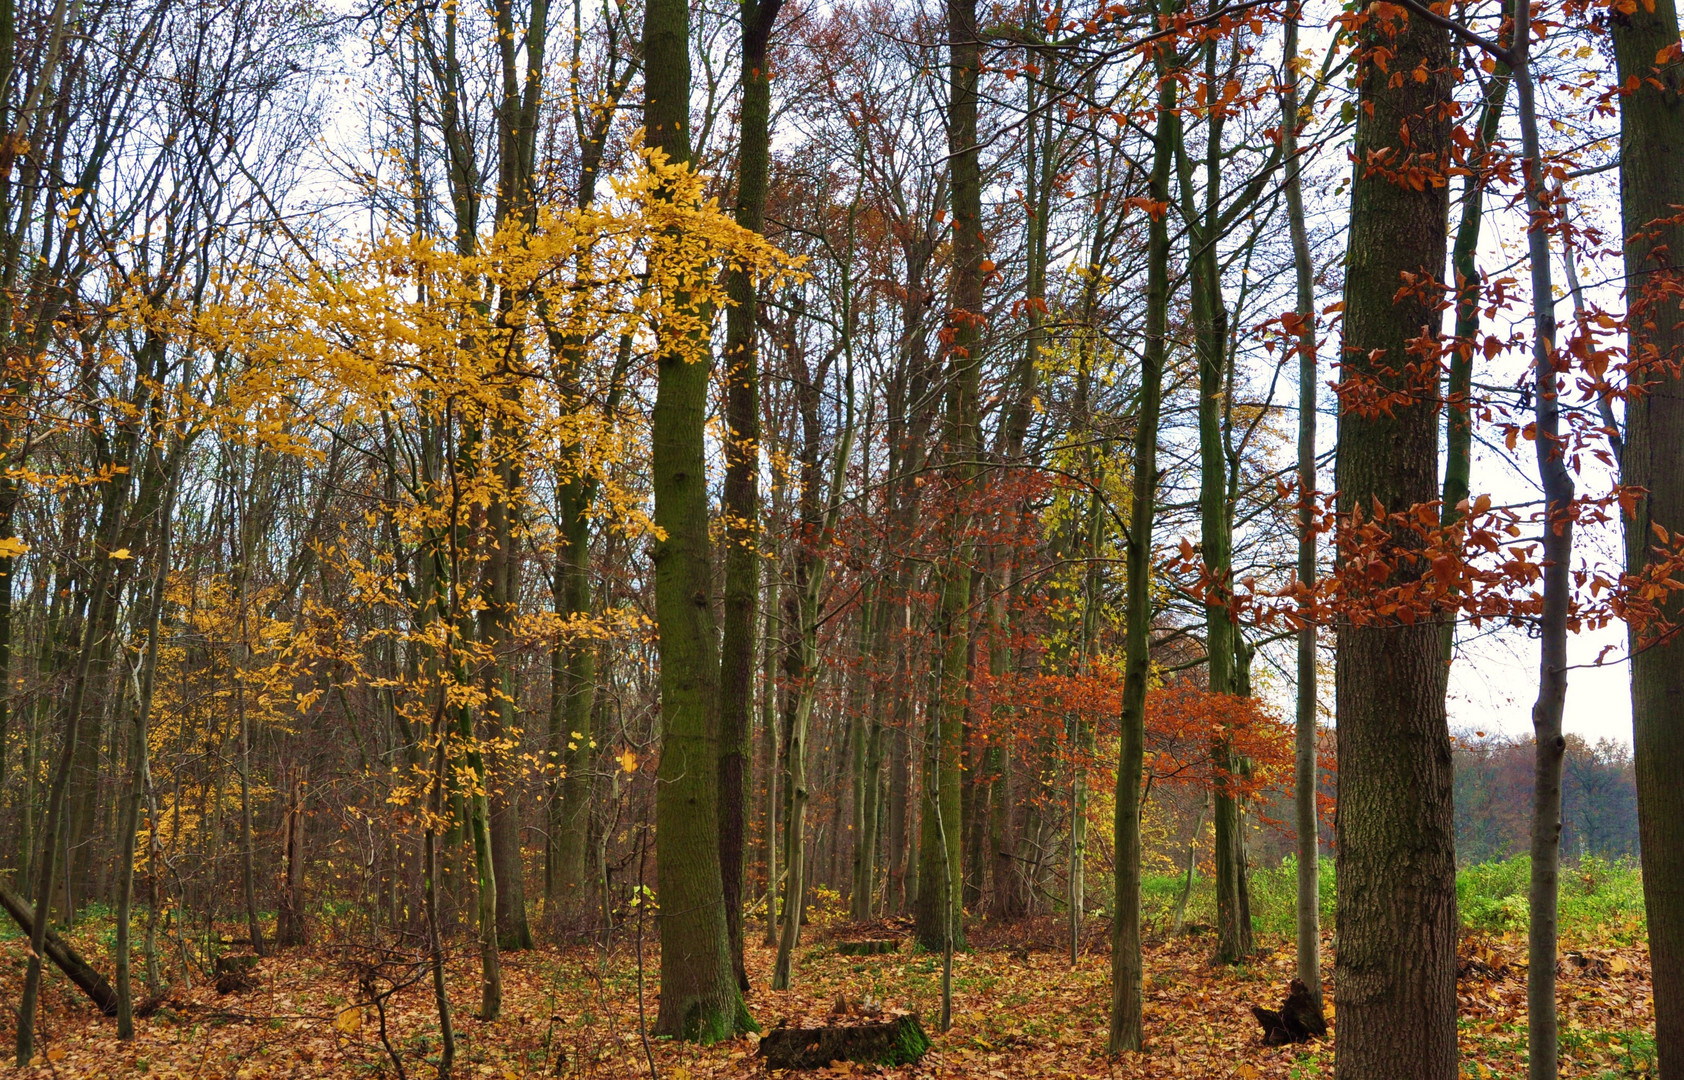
(709, 538)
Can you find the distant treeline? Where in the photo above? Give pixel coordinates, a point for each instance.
(1494, 798)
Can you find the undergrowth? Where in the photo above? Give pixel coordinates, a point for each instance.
(1601, 899)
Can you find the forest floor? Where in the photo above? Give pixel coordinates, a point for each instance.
(1020, 1010)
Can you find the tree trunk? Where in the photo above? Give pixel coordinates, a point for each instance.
(1542, 1041)
(741, 504)
(290, 930)
(1308, 916)
(1395, 977)
(700, 997)
(1127, 972)
(939, 919)
(52, 830)
(140, 777)
(772, 743)
(1651, 189)
(65, 958)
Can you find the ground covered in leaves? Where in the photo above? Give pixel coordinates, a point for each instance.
(1020, 1010)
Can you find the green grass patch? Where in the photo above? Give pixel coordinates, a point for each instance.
(1601, 899)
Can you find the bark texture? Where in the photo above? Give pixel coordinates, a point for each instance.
(700, 999)
(1395, 976)
(1651, 190)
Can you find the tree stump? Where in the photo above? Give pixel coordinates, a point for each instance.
(868, 947)
(234, 972)
(1299, 1020)
(890, 1040)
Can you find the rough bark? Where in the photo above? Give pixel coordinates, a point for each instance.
(1651, 190)
(1395, 976)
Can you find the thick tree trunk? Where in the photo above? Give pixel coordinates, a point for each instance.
(700, 997)
(1651, 190)
(290, 928)
(1395, 977)
(65, 958)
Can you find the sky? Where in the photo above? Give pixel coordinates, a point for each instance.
(1495, 680)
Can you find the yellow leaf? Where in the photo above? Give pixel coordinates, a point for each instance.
(350, 1020)
(121, 553)
(1618, 965)
(56, 1054)
(1247, 1071)
(628, 761)
(11, 547)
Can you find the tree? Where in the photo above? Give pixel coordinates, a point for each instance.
(1127, 974)
(1395, 973)
(940, 922)
(742, 500)
(1651, 73)
(700, 998)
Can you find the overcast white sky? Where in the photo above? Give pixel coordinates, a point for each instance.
(1495, 679)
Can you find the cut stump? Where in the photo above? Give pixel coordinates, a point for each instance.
(234, 973)
(892, 1040)
(869, 947)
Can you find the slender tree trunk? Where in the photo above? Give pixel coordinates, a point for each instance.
(795, 821)
(430, 896)
(1308, 920)
(773, 744)
(742, 498)
(48, 847)
(1651, 189)
(939, 922)
(1458, 418)
(572, 697)
(1395, 976)
(1127, 971)
(140, 780)
(1542, 1041)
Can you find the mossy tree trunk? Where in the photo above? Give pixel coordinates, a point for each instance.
(1127, 971)
(700, 997)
